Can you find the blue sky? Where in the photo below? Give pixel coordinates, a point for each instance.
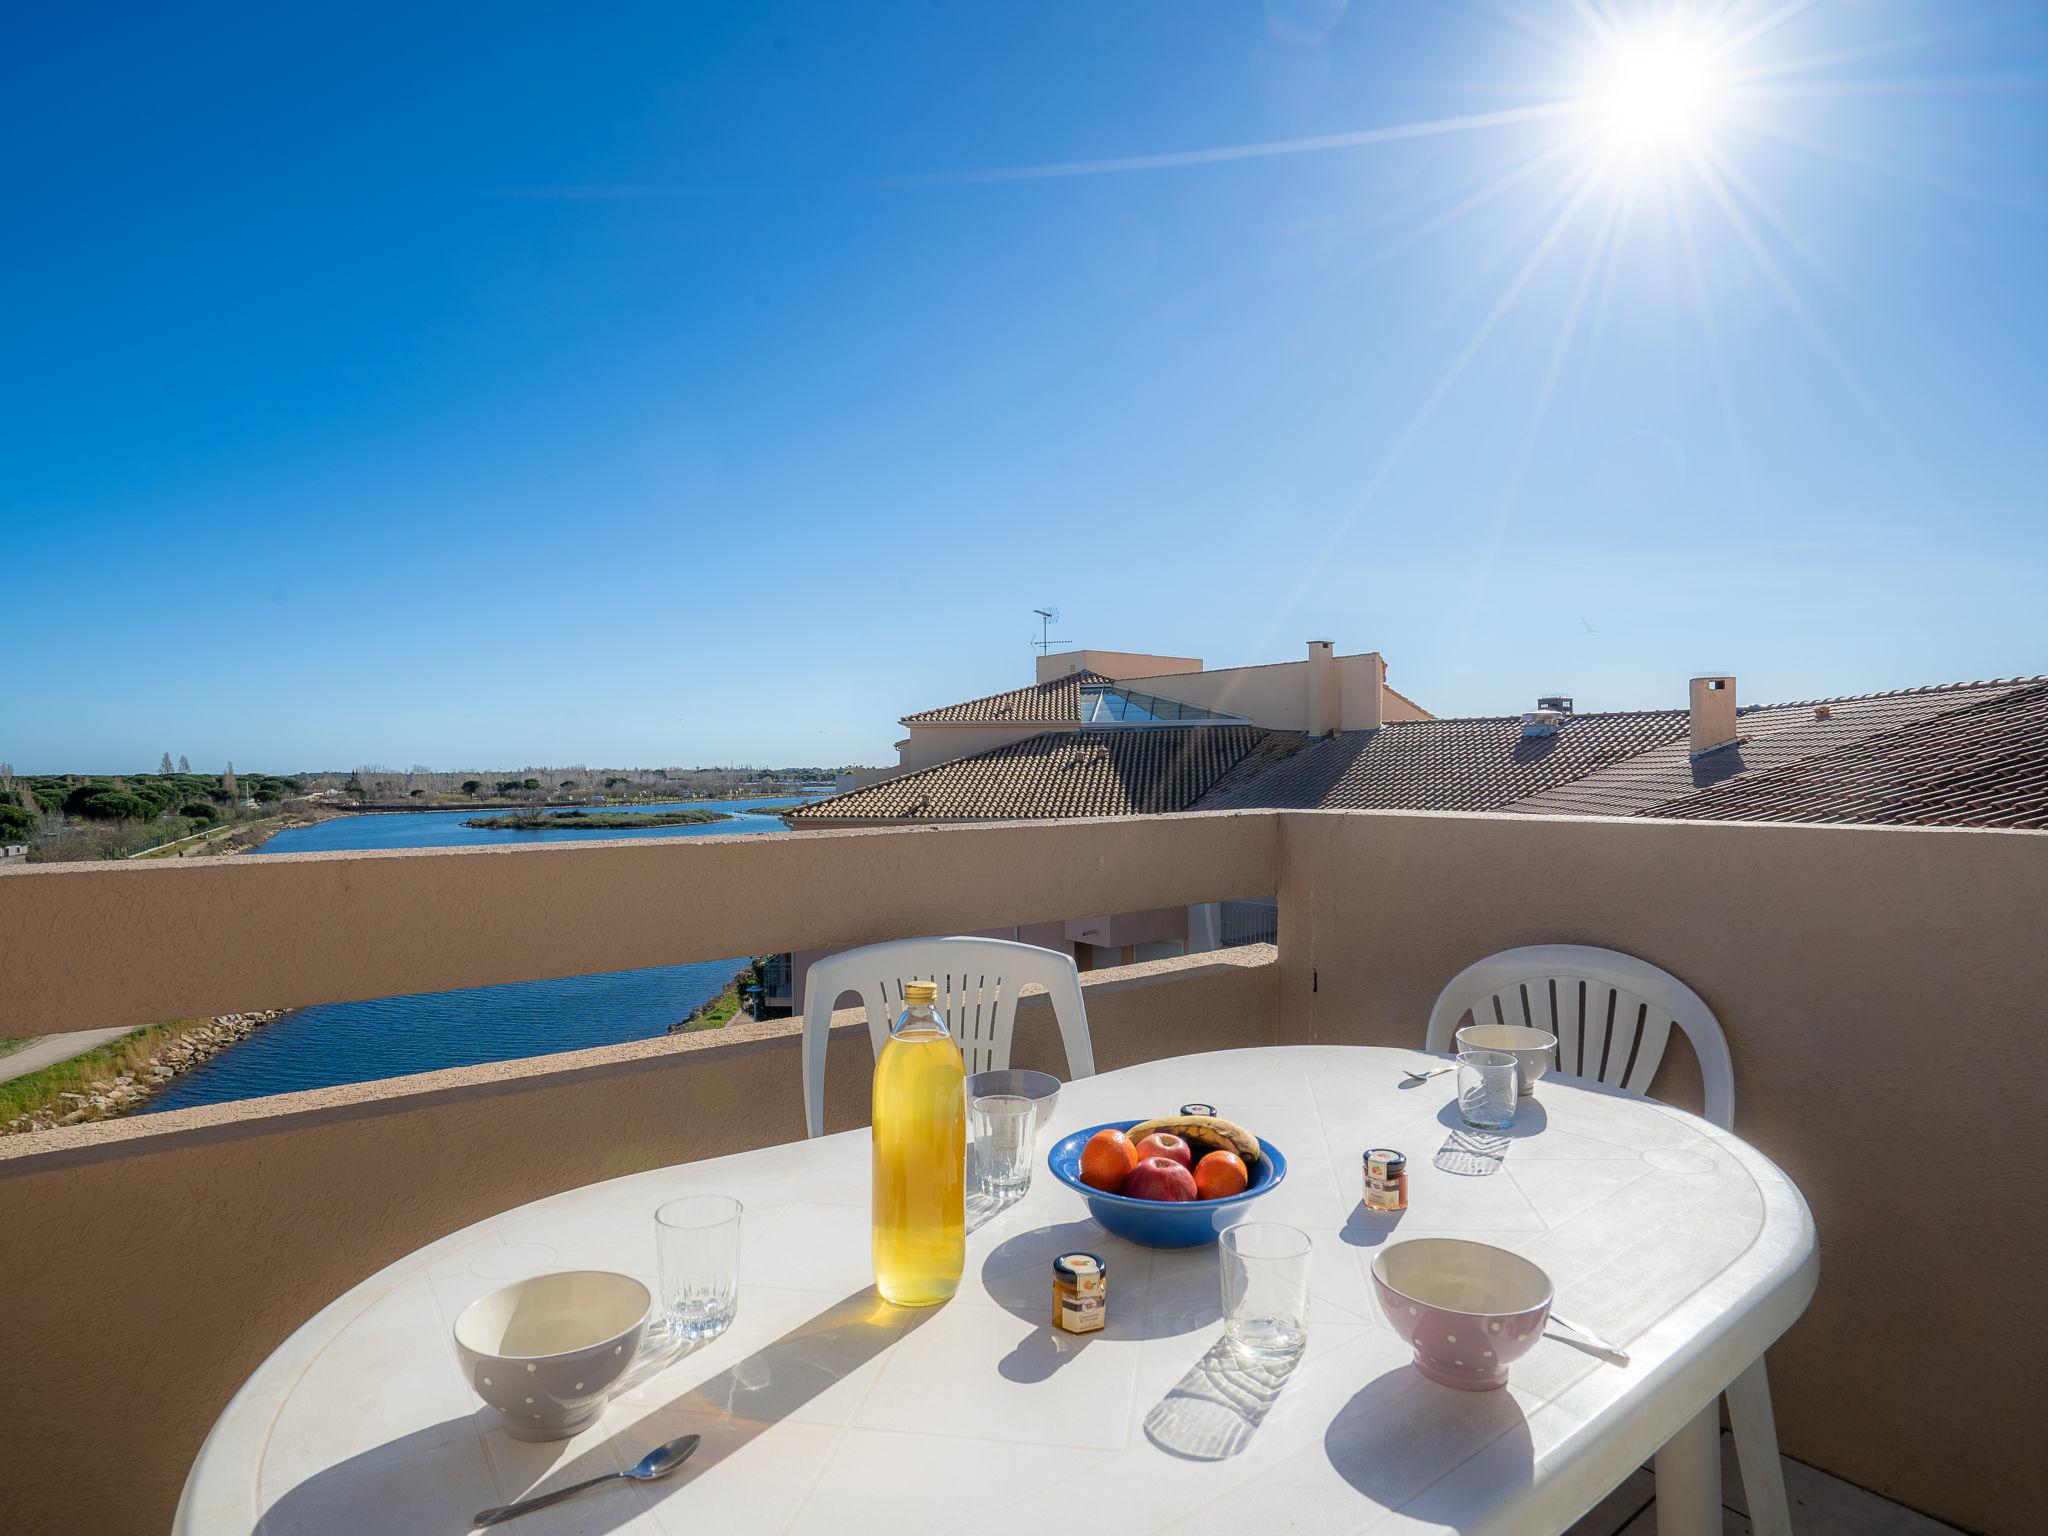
(701, 383)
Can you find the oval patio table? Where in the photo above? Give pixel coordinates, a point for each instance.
(824, 1410)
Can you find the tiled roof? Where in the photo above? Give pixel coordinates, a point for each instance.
(1772, 735)
(1980, 764)
(1446, 765)
(1055, 703)
(1057, 774)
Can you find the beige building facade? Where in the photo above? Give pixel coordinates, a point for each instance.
(1320, 693)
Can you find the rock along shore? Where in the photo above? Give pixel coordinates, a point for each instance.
(169, 1057)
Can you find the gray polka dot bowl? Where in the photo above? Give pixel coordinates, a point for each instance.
(1467, 1309)
(545, 1351)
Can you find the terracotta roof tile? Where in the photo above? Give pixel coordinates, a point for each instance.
(1122, 772)
(1055, 703)
(1979, 764)
(1772, 736)
(1445, 765)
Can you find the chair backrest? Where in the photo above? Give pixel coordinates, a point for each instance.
(979, 982)
(1612, 1015)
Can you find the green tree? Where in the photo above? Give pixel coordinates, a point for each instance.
(16, 824)
(568, 783)
(112, 805)
(529, 783)
(199, 810)
(471, 786)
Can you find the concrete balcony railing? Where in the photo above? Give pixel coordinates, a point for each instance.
(1881, 990)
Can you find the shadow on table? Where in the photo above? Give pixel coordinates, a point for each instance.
(1400, 1433)
(431, 1472)
(1212, 1412)
(1530, 1120)
(1176, 1292)
(1368, 1229)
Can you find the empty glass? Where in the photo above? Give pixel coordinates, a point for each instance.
(698, 1238)
(1002, 1126)
(1265, 1290)
(1486, 1089)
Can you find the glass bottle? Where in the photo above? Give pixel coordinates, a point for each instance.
(920, 1137)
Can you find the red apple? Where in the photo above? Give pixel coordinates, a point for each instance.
(1166, 1144)
(1159, 1178)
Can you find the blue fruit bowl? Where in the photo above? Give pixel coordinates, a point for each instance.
(1162, 1223)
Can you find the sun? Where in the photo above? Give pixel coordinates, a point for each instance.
(1656, 92)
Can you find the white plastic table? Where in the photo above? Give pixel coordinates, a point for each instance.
(824, 1410)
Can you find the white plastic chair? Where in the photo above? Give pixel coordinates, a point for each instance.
(1612, 1015)
(979, 982)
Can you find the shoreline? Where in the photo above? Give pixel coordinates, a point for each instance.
(121, 1076)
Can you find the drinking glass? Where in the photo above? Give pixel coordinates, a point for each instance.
(1003, 1124)
(1265, 1290)
(698, 1238)
(1486, 1089)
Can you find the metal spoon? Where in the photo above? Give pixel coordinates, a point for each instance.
(1605, 1347)
(659, 1462)
(1423, 1077)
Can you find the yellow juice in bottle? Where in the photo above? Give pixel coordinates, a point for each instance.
(920, 1132)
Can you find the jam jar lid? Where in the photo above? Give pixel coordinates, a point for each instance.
(1064, 1265)
(1198, 1109)
(1394, 1162)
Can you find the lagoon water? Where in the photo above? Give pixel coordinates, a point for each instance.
(354, 1042)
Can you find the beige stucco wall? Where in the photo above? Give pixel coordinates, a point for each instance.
(927, 745)
(1394, 707)
(1881, 990)
(133, 943)
(1114, 664)
(152, 1263)
(1276, 696)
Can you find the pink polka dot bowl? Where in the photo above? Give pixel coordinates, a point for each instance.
(1467, 1309)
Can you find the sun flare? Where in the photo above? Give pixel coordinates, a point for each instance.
(1657, 92)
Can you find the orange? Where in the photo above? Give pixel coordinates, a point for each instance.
(1107, 1160)
(1220, 1174)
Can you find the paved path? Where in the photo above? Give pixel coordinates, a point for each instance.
(51, 1049)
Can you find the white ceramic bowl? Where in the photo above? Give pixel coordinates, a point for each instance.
(544, 1352)
(1467, 1309)
(1531, 1049)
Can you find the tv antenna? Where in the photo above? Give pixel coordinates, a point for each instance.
(1047, 617)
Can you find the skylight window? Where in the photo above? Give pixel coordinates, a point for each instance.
(1102, 704)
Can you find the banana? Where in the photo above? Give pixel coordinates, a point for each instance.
(1205, 1133)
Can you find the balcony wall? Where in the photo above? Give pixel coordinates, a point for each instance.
(1881, 990)
(153, 1262)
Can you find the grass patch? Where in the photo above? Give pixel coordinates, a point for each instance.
(728, 1005)
(103, 1063)
(720, 1010)
(9, 1047)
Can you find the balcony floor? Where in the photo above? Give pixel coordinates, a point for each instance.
(1821, 1506)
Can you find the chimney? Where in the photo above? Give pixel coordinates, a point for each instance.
(1713, 714)
(1324, 701)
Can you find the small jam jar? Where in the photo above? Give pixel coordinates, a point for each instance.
(1386, 1180)
(1080, 1292)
